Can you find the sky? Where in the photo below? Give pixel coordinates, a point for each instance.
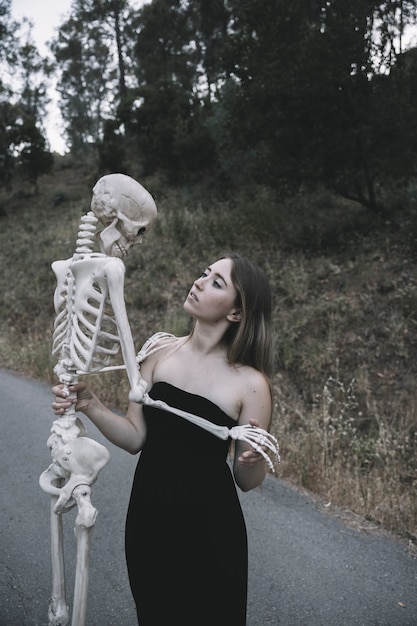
(46, 15)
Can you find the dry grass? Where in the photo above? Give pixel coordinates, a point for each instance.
(345, 321)
(362, 462)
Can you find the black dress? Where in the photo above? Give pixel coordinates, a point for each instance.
(186, 544)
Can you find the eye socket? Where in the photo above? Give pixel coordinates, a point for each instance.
(141, 231)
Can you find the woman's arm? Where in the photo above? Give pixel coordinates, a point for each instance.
(127, 432)
(249, 466)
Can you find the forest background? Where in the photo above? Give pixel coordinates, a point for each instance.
(287, 131)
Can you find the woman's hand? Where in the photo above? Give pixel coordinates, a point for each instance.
(127, 432)
(78, 395)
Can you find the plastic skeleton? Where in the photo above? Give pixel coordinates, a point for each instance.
(91, 327)
(87, 337)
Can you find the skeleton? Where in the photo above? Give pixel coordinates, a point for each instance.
(91, 328)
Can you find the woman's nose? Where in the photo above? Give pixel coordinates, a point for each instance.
(198, 283)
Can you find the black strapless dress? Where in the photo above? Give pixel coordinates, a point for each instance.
(186, 544)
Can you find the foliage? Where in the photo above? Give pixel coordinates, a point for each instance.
(344, 316)
(23, 100)
(283, 94)
(32, 158)
(293, 96)
(7, 124)
(83, 55)
(274, 124)
(307, 106)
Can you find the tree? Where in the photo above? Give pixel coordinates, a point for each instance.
(7, 160)
(210, 25)
(287, 94)
(302, 104)
(83, 60)
(8, 47)
(22, 102)
(29, 145)
(89, 54)
(366, 130)
(167, 99)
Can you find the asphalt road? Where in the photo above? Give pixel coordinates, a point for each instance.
(307, 567)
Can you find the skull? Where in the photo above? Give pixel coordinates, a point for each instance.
(127, 211)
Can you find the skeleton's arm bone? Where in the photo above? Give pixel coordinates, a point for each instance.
(253, 435)
(115, 271)
(60, 269)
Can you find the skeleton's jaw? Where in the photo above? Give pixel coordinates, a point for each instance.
(113, 243)
(121, 248)
(119, 251)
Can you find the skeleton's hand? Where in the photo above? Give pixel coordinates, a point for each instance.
(251, 456)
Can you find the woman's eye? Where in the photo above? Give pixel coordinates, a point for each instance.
(217, 284)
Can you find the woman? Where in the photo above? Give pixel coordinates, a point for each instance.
(186, 544)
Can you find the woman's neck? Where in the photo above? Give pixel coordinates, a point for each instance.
(207, 340)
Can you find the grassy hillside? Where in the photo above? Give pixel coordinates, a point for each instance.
(345, 318)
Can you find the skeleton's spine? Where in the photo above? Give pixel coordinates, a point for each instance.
(85, 241)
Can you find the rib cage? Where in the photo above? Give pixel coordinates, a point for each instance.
(88, 335)
(95, 337)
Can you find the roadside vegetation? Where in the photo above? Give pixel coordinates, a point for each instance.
(345, 317)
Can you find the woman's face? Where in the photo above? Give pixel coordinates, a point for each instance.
(213, 295)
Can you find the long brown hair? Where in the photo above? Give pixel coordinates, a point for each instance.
(250, 341)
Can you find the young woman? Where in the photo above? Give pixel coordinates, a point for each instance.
(186, 544)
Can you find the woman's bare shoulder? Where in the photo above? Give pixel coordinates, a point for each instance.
(159, 345)
(256, 398)
(252, 378)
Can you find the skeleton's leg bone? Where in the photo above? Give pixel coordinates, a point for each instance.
(76, 465)
(64, 429)
(84, 525)
(58, 612)
(78, 460)
(82, 576)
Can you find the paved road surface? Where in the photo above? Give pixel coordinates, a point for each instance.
(307, 568)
